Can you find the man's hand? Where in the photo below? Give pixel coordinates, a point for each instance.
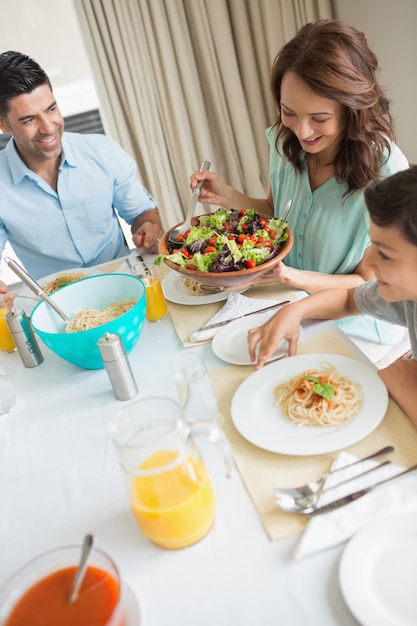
(147, 231)
(6, 295)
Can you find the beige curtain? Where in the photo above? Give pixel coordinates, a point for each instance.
(181, 81)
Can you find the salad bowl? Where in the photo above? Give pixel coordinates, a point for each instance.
(231, 274)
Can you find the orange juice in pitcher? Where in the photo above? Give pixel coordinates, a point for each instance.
(174, 507)
(170, 491)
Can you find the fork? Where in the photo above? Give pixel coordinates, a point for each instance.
(314, 486)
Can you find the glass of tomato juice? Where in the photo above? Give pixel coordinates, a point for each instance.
(45, 584)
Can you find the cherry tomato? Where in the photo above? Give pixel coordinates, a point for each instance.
(241, 238)
(187, 232)
(231, 236)
(242, 212)
(190, 266)
(180, 237)
(261, 240)
(212, 240)
(209, 249)
(272, 234)
(262, 223)
(253, 238)
(250, 263)
(244, 226)
(227, 226)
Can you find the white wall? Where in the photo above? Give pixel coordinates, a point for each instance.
(390, 27)
(48, 31)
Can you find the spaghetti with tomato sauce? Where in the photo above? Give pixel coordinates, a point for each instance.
(319, 397)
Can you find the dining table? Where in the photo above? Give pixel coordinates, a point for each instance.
(60, 479)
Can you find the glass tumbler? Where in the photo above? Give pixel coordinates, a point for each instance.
(195, 392)
(156, 305)
(6, 340)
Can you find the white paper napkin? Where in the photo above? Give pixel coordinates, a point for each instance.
(337, 526)
(236, 305)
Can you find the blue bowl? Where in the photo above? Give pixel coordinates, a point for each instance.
(93, 292)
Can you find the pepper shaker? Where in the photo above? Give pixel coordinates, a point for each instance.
(117, 366)
(24, 338)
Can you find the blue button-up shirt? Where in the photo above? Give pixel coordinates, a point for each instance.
(75, 226)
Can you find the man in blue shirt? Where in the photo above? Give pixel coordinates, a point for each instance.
(59, 191)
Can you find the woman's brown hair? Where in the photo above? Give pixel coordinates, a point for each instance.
(334, 59)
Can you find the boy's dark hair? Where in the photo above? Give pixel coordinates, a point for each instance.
(393, 202)
(19, 74)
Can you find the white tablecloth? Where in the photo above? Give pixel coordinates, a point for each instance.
(59, 479)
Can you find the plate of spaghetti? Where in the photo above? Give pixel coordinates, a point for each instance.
(52, 283)
(309, 404)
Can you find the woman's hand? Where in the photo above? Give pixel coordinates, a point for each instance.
(283, 325)
(214, 189)
(276, 275)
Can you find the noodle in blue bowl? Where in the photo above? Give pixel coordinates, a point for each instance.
(92, 293)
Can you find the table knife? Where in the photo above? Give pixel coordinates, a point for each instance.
(217, 324)
(336, 504)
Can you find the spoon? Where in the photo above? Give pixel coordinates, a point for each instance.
(276, 247)
(79, 574)
(35, 287)
(180, 230)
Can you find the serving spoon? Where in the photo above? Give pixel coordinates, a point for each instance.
(35, 287)
(82, 566)
(180, 230)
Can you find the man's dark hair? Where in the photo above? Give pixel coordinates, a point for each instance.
(393, 202)
(19, 74)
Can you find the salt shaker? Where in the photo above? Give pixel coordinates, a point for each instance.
(117, 366)
(24, 338)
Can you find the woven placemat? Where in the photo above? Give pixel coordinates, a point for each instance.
(261, 470)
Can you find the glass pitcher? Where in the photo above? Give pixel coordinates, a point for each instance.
(170, 492)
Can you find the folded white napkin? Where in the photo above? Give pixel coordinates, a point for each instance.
(236, 305)
(330, 529)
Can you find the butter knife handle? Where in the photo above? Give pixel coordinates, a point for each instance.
(336, 504)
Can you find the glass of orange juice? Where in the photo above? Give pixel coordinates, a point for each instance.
(38, 593)
(6, 340)
(170, 492)
(156, 305)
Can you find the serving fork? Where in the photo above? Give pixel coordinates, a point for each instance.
(315, 486)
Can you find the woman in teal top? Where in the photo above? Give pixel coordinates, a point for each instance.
(333, 135)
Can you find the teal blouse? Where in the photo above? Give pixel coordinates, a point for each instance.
(331, 231)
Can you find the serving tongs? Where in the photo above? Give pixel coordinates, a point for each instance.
(35, 287)
(182, 228)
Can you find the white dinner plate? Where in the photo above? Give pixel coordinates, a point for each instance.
(231, 345)
(262, 423)
(175, 291)
(26, 299)
(378, 571)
